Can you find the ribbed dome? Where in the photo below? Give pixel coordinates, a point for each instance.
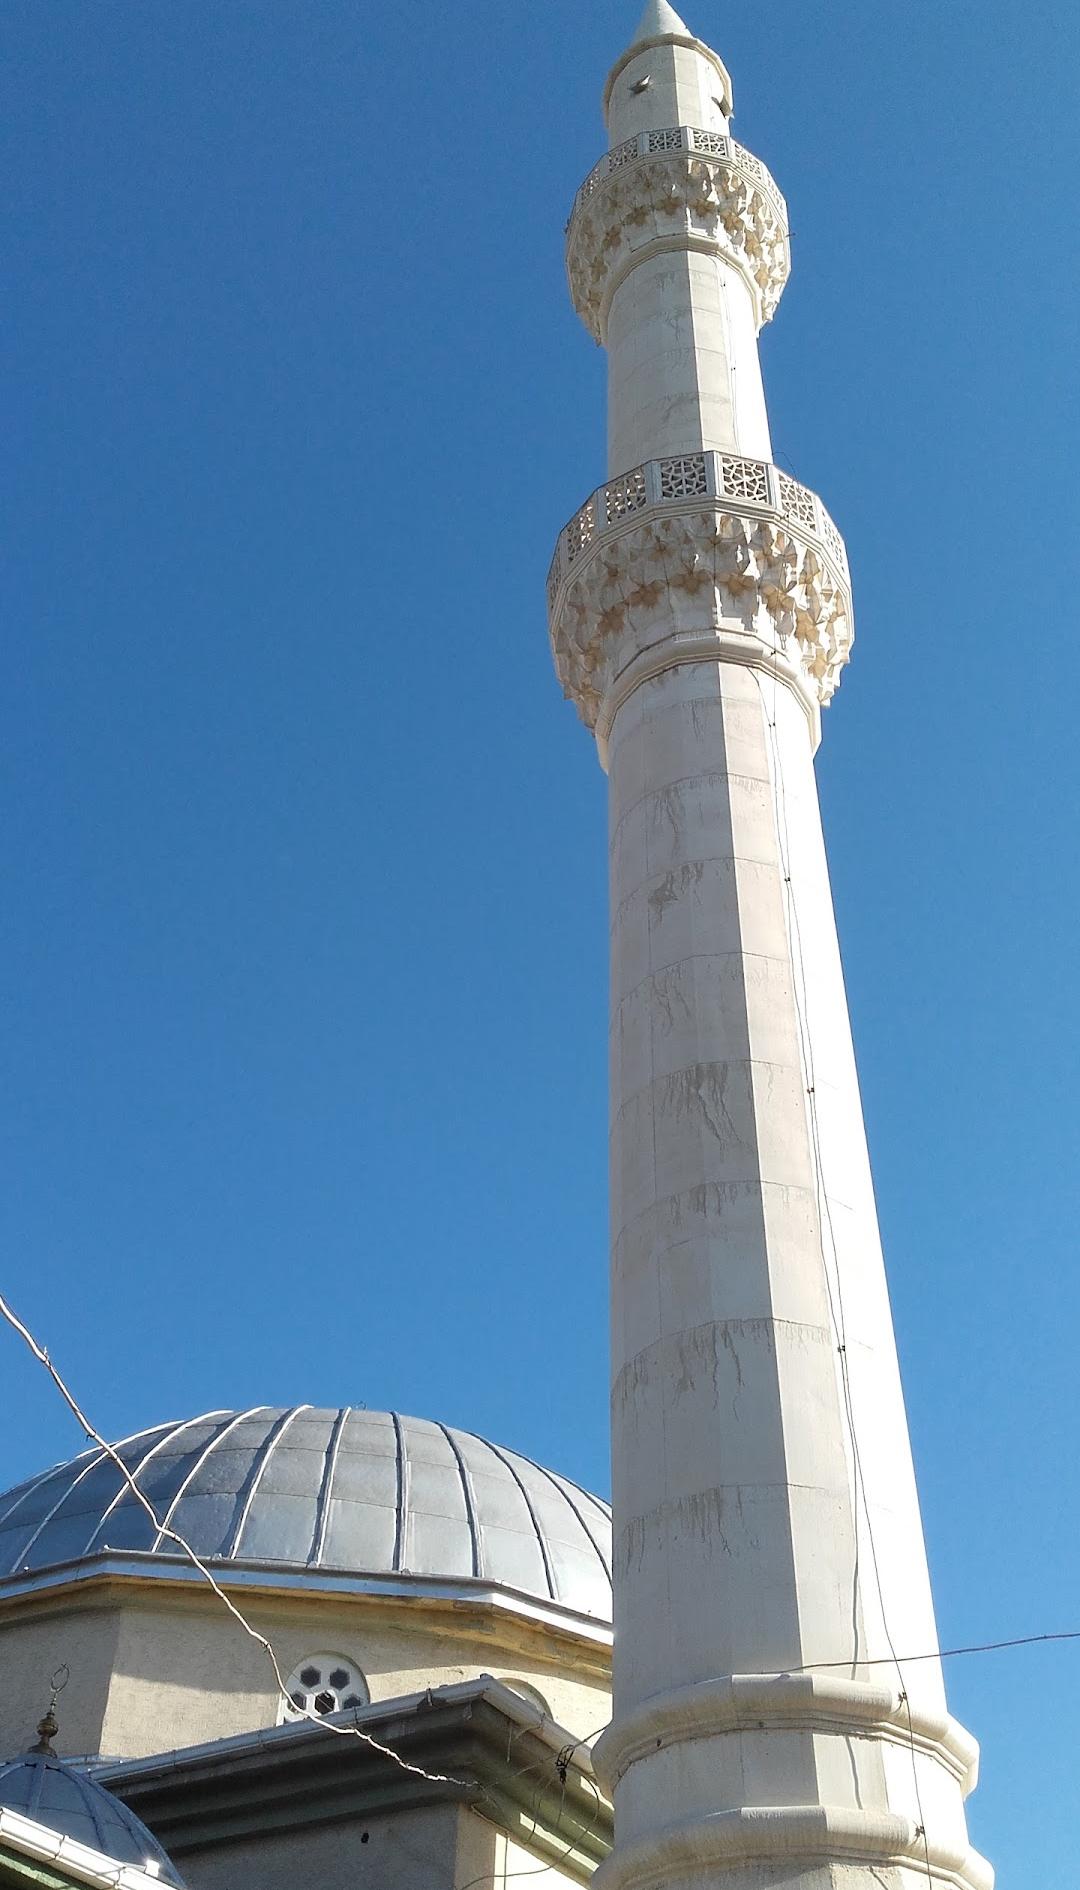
(40, 1786)
(355, 1492)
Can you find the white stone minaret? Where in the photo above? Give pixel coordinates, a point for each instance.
(770, 1727)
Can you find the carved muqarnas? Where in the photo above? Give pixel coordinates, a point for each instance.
(670, 196)
(690, 574)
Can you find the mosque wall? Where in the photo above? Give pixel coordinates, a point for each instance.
(164, 1666)
(396, 1852)
(513, 1863)
(79, 1636)
(441, 1847)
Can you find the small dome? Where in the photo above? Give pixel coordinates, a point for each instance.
(342, 1492)
(42, 1787)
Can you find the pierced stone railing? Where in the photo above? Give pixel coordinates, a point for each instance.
(665, 189)
(747, 486)
(688, 559)
(682, 138)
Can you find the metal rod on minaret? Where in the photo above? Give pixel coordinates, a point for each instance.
(769, 1557)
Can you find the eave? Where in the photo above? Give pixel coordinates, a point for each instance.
(499, 1756)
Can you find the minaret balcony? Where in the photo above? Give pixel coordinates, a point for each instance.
(704, 556)
(678, 187)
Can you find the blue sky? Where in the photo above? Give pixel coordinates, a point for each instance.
(304, 934)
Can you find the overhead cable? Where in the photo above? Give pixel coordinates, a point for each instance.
(207, 1574)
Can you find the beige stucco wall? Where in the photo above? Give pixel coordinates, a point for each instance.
(513, 1864)
(441, 1848)
(85, 1638)
(411, 1850)
(157, 1666)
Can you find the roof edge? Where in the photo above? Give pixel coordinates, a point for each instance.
(147, 1566)
(290, 1776)
(73, 1862)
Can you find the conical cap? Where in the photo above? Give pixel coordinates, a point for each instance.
(658, 19)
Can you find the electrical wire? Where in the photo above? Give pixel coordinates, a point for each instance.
(491, 1876)
(953, 1653)
(41, 1354)
(197, 1562)
(560, 1762)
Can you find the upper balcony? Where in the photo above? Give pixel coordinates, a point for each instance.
(677, 187)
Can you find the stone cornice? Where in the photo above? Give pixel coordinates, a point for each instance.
(676, 188)
(704, 557)
(782, 1835)
(116, 1571)
(820, 1703)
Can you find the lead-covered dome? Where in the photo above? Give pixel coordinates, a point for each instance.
(44, 1788)
(340, 1493)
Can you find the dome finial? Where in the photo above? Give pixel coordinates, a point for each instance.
(49, 1726)
(659, 19)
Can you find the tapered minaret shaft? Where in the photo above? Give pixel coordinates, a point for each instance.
(770, 1573)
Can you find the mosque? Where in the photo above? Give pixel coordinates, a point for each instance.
(356, 1649)
(447, 1596)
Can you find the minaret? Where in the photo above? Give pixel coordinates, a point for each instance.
(770, 1575)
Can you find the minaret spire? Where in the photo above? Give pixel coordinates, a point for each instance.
(657, 20)
(769, 1564)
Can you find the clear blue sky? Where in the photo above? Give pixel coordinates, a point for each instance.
(304, 922)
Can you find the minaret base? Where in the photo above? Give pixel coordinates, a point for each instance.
(695, 1752)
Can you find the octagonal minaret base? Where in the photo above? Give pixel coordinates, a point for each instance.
(770, 1573)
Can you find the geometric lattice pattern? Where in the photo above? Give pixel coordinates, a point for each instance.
(617, 217)
(581, 530)
(832, 537)
(683, 478)
(749, 162)
(740, 539)
(741, 481)
(744, 479)
(625, 495)
(796, 502)
(681, 138)
(621, 154)
(666, 140)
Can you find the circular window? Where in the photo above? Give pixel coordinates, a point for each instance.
(321, 1684)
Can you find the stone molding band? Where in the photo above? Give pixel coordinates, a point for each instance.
(823, 1703)
(677, 188)
(704, 557)
(713, 646)
(690, 1850)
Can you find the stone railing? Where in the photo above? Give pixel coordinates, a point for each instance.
(694, 556)
(682, 138)
(665, 190)
(746, 485)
